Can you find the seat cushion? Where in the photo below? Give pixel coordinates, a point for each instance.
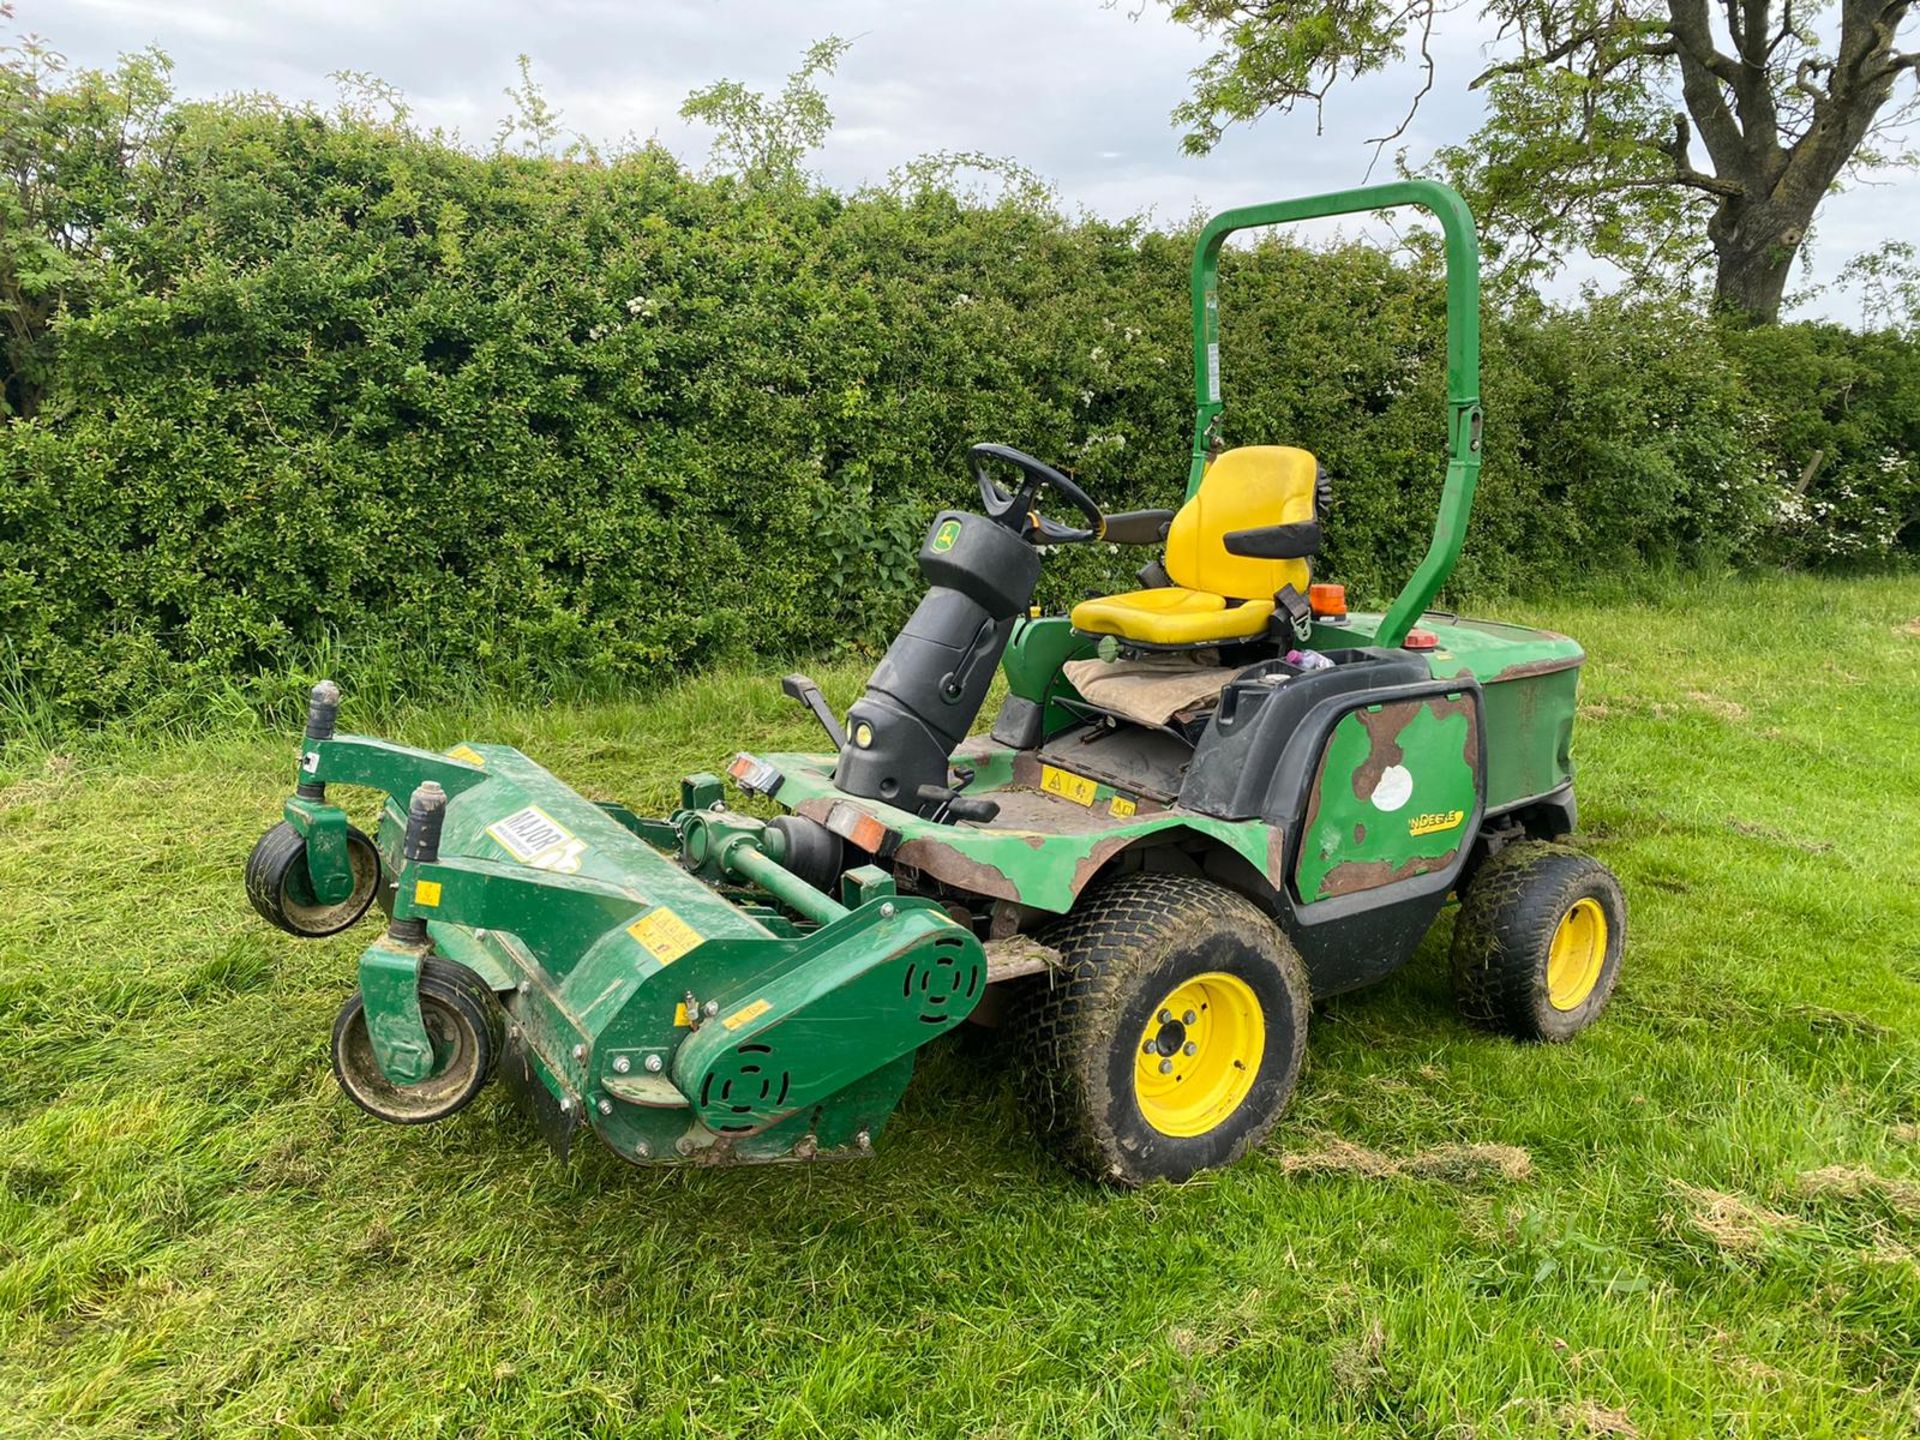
(1172, 616)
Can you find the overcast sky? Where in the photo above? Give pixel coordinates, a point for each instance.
(1071, 89)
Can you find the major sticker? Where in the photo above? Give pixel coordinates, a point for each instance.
(664, 935)
(944, 537)
(535, 838)
(1067, 785)
(468, 754)
(1121, 808)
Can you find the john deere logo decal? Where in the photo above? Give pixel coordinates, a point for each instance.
(1433, 824)
(944, 537)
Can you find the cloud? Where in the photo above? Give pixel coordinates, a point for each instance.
(1074, 90)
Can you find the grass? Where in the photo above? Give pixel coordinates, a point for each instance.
(1702, 1218)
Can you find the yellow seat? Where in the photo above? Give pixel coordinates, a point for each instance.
(1245, 489)
(1172, 616)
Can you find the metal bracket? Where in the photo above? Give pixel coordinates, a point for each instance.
(324, 827)
(390, 999)
(864, 883)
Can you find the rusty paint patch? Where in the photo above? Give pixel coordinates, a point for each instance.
(1448, 706)
(1277, 858)
(1383, 727)
(950, 867)
(1089, 865)
(1527, 669)
(1358, 875)
(1359, 834)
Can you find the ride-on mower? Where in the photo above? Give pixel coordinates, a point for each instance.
(1203, 805)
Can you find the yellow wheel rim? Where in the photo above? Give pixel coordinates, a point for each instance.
(1199, 1055)
(1578, 951)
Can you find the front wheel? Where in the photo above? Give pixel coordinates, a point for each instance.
(1172, 1038)
(462, 1020)
(282, 892)
(1538, 942)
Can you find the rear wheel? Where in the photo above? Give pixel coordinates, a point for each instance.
(1171, 1040)
(1538, 943)
(463, 1022)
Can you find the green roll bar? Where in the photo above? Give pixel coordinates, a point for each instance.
(1463, 361)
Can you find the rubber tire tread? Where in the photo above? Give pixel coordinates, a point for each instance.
(465, 995)
(1066, 1026)
(271, 860)
(1505, 929)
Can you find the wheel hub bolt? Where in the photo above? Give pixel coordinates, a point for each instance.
(1188, 1018)
(1189, 1048)
(1152, 1047)
(1166, 1067)
(1166, 1017)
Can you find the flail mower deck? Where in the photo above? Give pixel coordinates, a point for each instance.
(1204, 804)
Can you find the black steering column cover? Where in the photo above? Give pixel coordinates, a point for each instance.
(988, 563)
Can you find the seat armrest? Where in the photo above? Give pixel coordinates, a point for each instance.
(1275, 542)
(1138, 527)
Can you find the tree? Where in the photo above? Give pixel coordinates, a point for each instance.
(69, 146)
(1594, 107)
(763, 140)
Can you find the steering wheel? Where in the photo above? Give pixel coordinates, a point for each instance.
(1016, 511)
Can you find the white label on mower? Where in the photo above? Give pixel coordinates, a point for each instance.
(1395, 788)
(535, 838)
(1213, 373)
(310, 762)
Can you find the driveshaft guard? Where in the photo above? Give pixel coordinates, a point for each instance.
(854, 996)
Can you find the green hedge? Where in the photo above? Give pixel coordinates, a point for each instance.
(324, 387)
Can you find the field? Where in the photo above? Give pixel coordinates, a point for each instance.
(1702, 1218)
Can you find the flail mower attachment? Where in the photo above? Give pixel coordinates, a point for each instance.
(673, 984)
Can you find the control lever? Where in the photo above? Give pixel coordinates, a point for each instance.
(801, 688)
(954, 806)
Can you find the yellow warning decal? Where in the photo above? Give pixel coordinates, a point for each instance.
(426, 892)
(664, 935)
(1067, 785)
(1121, 807)
(680, 1015)
(746, 1014)
(1434, 823)
(468, 754)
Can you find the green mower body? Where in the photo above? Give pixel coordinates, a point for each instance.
(1152, 905)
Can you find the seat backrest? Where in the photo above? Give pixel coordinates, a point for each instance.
(1243, 489)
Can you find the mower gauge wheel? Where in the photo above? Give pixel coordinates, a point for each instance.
(463, 1022)
(1016, 512)
(279, 887)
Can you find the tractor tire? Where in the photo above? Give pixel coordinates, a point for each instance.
(282, 893)
(1171, 1038)
(463, 1021)
(1538, 941)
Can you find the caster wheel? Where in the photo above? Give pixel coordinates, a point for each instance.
(1172, 1040)
(463, 1022)
(1537, 947)
(280, 890)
